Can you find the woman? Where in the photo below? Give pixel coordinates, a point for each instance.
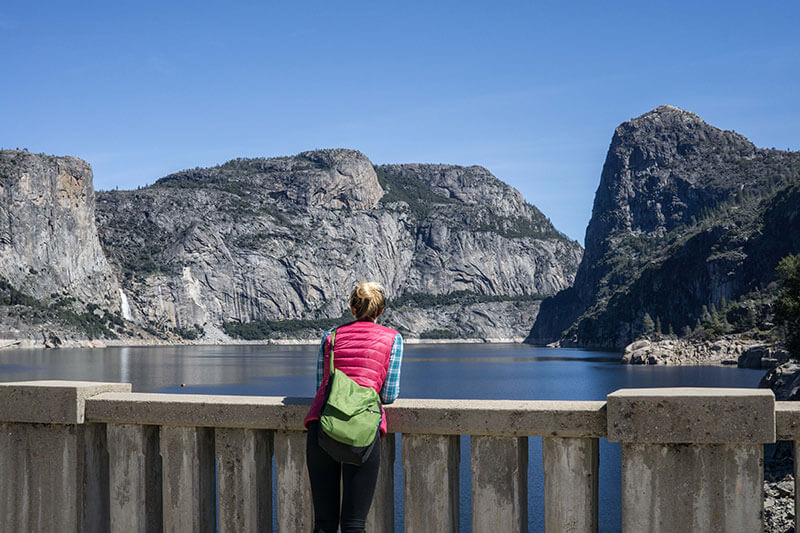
(370, 354)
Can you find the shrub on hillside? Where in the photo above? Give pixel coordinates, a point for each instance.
(787, 306)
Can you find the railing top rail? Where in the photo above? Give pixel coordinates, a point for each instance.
(50, 401)
(499, 417)
(787, 420)
(691, 415)
(63, 402)
(465, 417)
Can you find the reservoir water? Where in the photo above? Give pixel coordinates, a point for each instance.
(481, 371)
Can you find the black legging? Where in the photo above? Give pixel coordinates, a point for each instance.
(358, 486)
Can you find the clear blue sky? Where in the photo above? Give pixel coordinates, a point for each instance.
(530, 90)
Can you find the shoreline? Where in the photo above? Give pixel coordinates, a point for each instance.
(743, 352)
(31, 344)
(673, 352)
(306, 342)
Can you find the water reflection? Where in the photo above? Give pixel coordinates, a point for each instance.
(124, 363)
(512, 359)
(154, 368)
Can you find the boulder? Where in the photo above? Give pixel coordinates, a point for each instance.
(762, 356)
(784, 380)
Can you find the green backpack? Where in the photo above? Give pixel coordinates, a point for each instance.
(350, 418)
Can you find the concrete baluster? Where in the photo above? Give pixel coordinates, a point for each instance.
(570, 484)
(381, 515)
(41, 482)
(95, 515)
(244, 479)
(188, 479)
(53, 466)
(295, 507)
(499, 483)
(134, 478)
(692, 459)
(430, 482)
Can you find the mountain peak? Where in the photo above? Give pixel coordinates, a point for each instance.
(667, 108)
(668, 115)
(670, 131)
(333, 157)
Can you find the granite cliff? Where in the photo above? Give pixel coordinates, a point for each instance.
(48, 238)
(271, 247)
(689, 221)
(53, 272)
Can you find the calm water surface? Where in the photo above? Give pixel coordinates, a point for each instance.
(505, 371)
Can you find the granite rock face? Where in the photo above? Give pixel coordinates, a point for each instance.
(48, 239)
(489, 322)
(685, 215)
(287, 238)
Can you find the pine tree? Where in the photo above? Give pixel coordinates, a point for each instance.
(658, 325)
(648, 324)
(670, 331)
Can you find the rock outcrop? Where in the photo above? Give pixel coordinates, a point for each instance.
(686, 217)
(779, 508)
(684, 352)
(286, 238)
(48, 238)
(763, 356)
(779, 503)
(784, 380)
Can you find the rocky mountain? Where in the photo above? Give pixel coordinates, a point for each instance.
(48, 238)
(271, 247)
(52, 268)
(688, 220)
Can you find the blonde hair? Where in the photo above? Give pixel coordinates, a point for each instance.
(367, 300)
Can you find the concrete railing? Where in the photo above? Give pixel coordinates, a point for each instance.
(83, 456)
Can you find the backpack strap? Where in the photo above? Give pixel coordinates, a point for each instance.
(333, 336)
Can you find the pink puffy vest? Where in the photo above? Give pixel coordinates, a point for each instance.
(362, 351)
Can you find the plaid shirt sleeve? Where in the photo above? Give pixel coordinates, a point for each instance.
(321, 358)
(391, 386)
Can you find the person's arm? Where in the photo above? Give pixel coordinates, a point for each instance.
(321, 359)
(391, 385)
